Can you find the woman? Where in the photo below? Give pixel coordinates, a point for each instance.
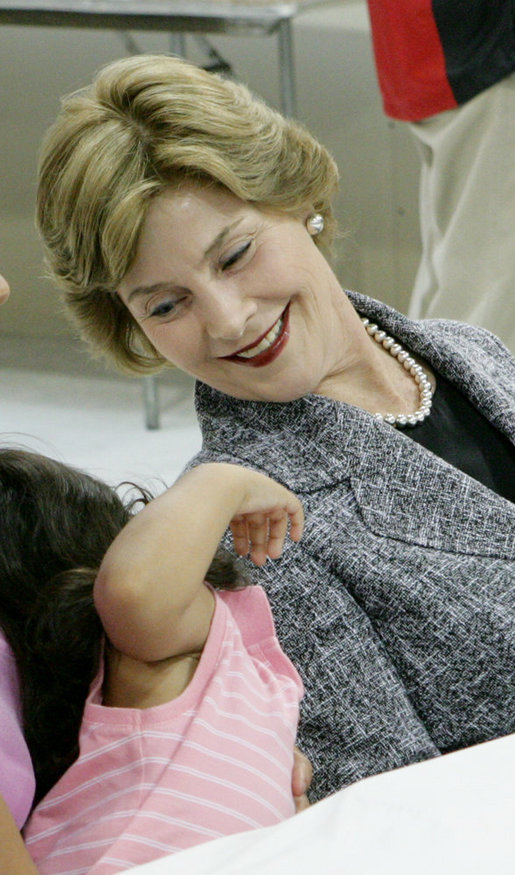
(187, 223)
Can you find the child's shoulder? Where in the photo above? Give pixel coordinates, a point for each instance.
(252, 614)
(251, 611)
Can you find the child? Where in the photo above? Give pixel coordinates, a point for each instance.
(188, 729)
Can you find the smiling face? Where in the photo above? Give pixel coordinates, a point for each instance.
(240, 298)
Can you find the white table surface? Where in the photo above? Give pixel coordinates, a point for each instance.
(453, 815)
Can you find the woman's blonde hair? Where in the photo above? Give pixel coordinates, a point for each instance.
(145, 123)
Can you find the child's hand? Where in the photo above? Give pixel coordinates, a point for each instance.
(149, 591)
(260, 527)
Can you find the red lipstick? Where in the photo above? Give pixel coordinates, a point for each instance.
(268, 355)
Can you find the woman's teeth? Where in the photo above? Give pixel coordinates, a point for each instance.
(265, 343)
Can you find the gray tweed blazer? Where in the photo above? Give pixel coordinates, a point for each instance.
(398, 606)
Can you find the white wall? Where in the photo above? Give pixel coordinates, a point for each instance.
(338, 99)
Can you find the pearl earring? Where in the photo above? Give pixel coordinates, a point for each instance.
(315, 224)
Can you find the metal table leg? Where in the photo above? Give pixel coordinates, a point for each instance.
(151, 401)
(178, 44)
(287, 69)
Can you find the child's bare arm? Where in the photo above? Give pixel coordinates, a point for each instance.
(149, 591)
(14, 856)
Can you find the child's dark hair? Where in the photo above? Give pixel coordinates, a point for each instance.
(57, 523)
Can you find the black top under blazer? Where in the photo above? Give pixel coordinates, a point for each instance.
(397, 606)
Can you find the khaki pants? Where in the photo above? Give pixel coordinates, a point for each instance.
(467, 213)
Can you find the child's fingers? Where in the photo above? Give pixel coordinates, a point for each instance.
(296, 515)
(251, 537)
(277, 529)
(260, 534)
(267, 533)
(240, 535)
(258, 530)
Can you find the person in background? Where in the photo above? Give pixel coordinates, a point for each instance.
(188, 730)
(17, 782)
(190, 224)
(447, 68)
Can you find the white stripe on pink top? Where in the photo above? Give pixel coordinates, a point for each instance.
(215, 761)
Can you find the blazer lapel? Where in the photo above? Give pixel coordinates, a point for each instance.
(404, 491)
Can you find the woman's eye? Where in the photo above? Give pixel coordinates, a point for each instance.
(235, 256)
(164, 308)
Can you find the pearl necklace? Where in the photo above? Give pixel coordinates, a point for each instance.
(417, 372)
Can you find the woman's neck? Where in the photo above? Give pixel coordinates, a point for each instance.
(372, 379)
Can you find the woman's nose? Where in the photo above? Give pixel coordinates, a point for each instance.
(225, 316)
(4, 289)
